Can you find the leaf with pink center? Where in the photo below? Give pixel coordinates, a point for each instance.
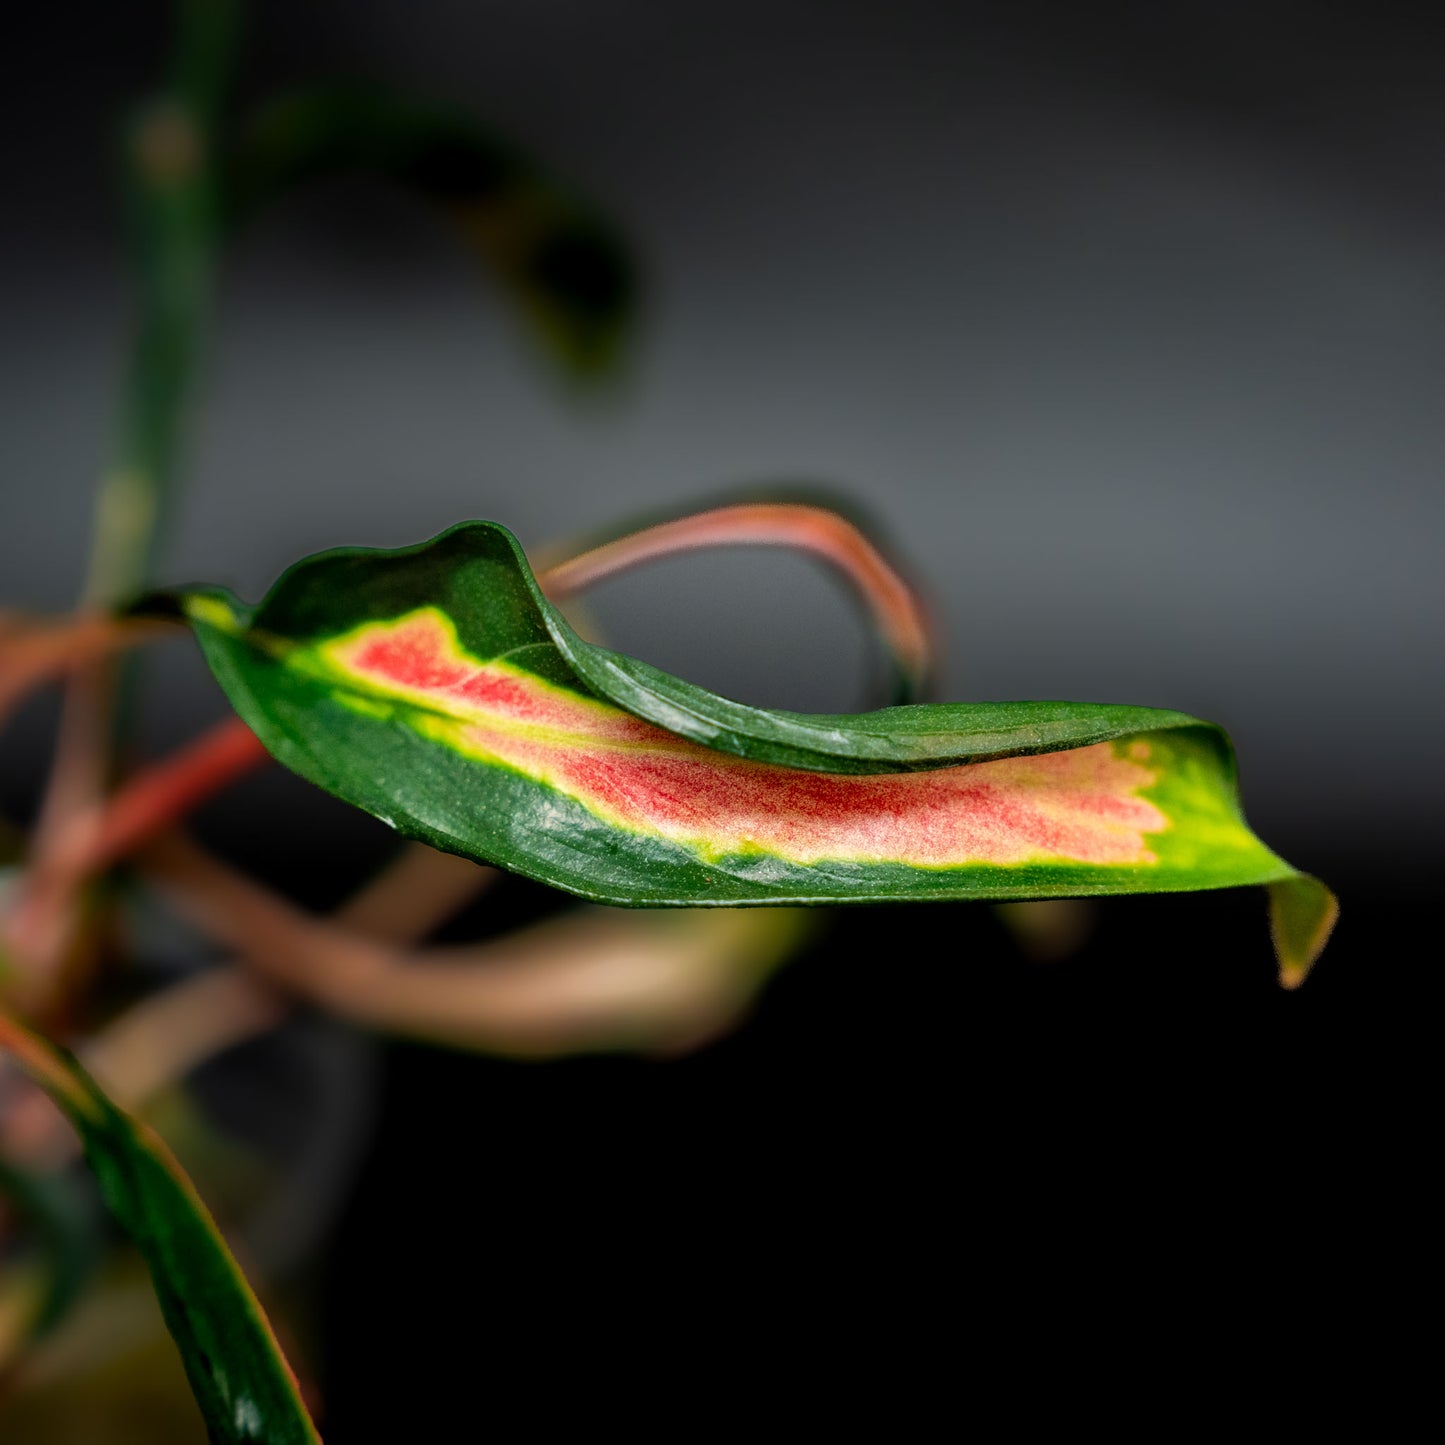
(437, 688)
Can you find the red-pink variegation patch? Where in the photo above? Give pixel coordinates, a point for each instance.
(1082, 805)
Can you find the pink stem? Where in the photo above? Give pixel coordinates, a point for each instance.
(157, 797)
(769, 524)
(87, 843)
(32, 653)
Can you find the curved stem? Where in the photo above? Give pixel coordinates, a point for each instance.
(156, 797)
(165, 1036)
(86, 836)
(598, 979)
(815, 530)
(35, 651)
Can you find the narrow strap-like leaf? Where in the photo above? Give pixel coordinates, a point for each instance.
(436, 688)
(241, 1381)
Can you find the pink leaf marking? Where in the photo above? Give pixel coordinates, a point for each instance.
(1080, 805)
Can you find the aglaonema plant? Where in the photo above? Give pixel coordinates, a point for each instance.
(438, 688)
(442, 689)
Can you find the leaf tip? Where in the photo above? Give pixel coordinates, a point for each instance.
(1302, 914)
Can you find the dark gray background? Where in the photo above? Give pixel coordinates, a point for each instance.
(1128, 320)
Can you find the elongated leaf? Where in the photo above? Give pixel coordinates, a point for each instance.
(477, 580)
(435, 687)
(560, 261)
(242, 1383)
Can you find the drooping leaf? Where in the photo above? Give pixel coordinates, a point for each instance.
(436, 688)
(241, 1381)
(560, 261)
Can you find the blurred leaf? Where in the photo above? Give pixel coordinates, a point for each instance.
(172, 204)
(558, 259)
(58, 1219)
(1047, 930)
(242, 1383)
(109, 1375)
(435, 687)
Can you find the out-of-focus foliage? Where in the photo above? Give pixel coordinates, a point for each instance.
(557, 257)
(241, 1381)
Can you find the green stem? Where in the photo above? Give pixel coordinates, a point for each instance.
(172, 190)
(172, 193)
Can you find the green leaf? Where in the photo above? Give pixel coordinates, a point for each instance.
(241, 1381)
(559, 260)
(66, 1235)
(436, 688)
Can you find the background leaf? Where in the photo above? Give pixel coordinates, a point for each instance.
(66, 1234)
(241, 1381)
(558, 259)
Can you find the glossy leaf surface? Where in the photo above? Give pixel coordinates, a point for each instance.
(560, 261)
(435, 687)
(241, 1381)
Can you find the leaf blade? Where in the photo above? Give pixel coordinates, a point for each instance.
(436, 688)
(240, 1379)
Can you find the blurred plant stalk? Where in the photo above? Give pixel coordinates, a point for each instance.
(172, 191)
(595, 979)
